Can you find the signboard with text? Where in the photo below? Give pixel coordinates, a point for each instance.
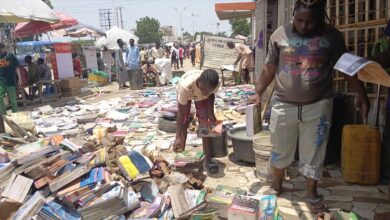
(217, 53)
(62, 61)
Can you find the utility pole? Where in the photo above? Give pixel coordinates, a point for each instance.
(193, 22)
(181, 18)
(120, 18)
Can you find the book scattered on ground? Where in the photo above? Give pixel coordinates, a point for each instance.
(68, 177)
(30, 208)
(17, 188)
(117, 201)
(243, 208)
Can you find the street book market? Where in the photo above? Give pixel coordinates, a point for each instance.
(290, 121)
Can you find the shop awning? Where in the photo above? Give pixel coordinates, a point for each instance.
(227, 11)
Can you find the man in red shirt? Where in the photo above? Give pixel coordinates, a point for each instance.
(76, 65)
(181, 55)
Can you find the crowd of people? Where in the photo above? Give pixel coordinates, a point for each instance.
(152, 60)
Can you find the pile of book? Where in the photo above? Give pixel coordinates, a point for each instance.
(59, 178)
(133, 164)
(189, 162)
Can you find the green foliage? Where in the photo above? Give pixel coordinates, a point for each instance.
(380, 46)
(187, 36)
(202, 33)
(148, 30)
(240, 26)
(48, 3)
(221, 34)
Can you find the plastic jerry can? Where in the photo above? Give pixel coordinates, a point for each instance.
(360, 154)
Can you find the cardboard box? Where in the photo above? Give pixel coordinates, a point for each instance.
(69, 83)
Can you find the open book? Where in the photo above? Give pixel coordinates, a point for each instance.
(367, 70)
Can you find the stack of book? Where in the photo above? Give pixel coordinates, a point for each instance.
(185, 202)
(189, 162)
(244, 208)
(6, 170)
(222, 197)
(117, 201)
(134, 164)
(150, 210)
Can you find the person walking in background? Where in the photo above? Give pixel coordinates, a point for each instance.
(192, 55)
(44, 70)
(45, 74)
(143, 56)
(244, 59)
(8, 72)
(121, 71)
(107, 58)
(174, 56)
(133, 58)
(77, 69)
(181, 55)
(33, 76)
(100, 62)
(198, 53)
(157, 52)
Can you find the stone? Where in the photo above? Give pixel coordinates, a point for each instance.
(298, 179)
(242, 180)
(338, 198)
(371, 200)
(334, 173)
(250, 175)
(232, 169)
(383, 208)
(347, 206)
(323, 191)
(289, 213)
(303, 206)
(300, 185)
(367, 214)
(369, 189)
(286, 195)
(300, 194)
(285, 202)
(382, 216)
(359, 194)
(306, 215)
(384, 189)
(263, 189)
(364, 205)
(288, 185)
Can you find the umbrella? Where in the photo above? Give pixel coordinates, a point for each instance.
(83, 30)
(112, 36)
(170, 44)
(37, 27)
(16, 11)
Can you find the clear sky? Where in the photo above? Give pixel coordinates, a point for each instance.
(87, 11)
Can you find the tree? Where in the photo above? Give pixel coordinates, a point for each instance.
(221, 34)
(48, 3)
(240, 27)
(202, 33)
(187, 36)
(148, 30)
